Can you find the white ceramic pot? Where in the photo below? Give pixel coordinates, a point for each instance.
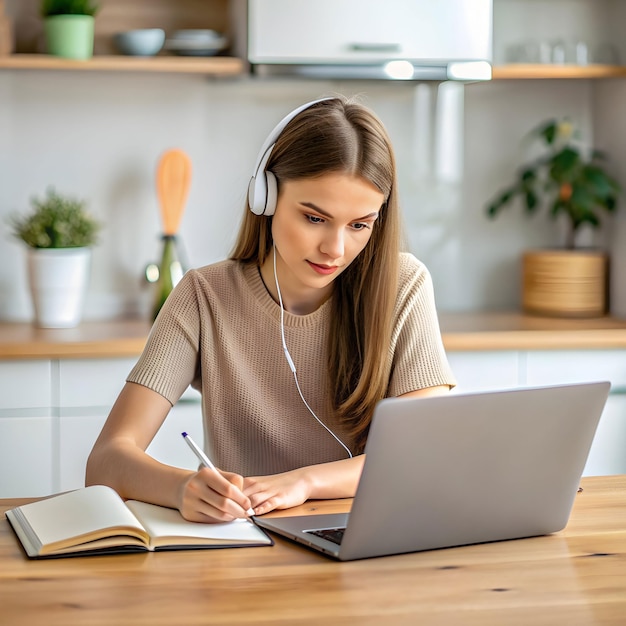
(58, 279)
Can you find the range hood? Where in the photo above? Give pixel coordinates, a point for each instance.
(368, 39)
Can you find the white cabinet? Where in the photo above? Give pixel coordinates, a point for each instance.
(483, 371)
(77, 434)
(489, 370)
(87, 390)
(26, 455)
(52, 411)
(86, 382)
(25, 384)
(608, 453)
(26, 428)
(366, 31)
(565, 366)
(78, 431)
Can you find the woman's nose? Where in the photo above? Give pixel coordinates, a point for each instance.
(333, 244)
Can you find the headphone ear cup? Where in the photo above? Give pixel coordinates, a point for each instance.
(257, 194)
(271, 193)
(263, 194)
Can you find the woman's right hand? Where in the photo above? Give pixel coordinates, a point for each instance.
(213, 496)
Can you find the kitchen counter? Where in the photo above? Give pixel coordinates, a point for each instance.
(461, 332)
(102, 339)
(57, 386)
(515, 331)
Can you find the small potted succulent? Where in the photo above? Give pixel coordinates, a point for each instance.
(570, 281)
(59, 234)
(69, 27)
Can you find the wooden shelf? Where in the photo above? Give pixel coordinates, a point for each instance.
(214, 66)
(233, 66)
(546, 71)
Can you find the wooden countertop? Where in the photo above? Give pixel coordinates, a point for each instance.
(461, 332)
(115, 338)
(515, 331)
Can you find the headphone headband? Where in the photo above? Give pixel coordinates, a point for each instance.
(263, 189)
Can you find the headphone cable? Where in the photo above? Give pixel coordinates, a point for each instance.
(292, 365)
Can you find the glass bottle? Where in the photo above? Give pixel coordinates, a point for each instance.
(168, 273)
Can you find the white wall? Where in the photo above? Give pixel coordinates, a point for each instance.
(98, 136)
(610, 125)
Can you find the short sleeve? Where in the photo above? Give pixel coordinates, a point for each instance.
(169, 362)
(419, 359)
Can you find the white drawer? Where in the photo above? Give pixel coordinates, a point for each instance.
(26, 457)
(480, 371)
(608, 450)
(25, 384)
(77, 434)
(87, 382)
(574, 366)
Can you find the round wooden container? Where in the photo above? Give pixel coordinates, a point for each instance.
(565, 283)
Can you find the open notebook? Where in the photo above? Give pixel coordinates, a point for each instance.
(95, 520)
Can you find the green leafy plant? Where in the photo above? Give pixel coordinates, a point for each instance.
(56, 222)
(563, 179)
(50, 8)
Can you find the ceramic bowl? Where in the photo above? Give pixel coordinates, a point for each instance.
(144, 42)
(196, 42)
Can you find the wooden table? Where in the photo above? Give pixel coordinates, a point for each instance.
(576, 577)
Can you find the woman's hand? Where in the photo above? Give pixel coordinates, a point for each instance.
(213, 496)
(210, 496)
(277, 491)
(337, 479)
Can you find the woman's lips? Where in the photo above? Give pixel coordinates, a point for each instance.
(323, 269)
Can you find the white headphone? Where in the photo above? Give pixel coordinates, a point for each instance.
(263, 189)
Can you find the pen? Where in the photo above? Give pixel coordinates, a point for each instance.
(204, 459)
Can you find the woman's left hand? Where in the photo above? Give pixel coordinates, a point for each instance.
(277, 491)
(336, 479)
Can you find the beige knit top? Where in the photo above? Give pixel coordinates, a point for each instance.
(220, 332)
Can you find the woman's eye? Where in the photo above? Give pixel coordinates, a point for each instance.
(360, 225)
(314, 219)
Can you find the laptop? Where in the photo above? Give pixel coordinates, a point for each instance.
(461, 469)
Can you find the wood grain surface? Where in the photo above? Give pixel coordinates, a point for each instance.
(460, 331)
(575, 577)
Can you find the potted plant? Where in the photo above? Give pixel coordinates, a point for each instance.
(59, 234)
(69, 27)
(570, 281)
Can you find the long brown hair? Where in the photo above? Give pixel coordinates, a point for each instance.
(341, 135)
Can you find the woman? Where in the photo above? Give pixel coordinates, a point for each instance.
(316, 317)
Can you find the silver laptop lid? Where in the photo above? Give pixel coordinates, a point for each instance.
(471, 468)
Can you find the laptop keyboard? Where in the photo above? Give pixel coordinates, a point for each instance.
(330, 534)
